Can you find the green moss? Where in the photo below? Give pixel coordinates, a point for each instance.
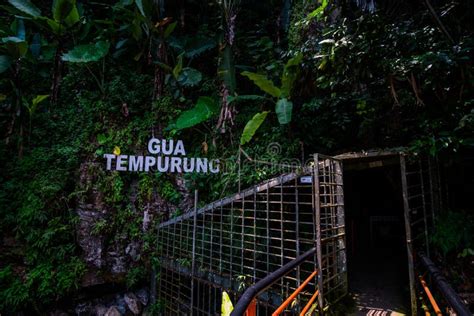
(134, 276)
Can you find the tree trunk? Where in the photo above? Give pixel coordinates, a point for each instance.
(57, 73)
(226, 65)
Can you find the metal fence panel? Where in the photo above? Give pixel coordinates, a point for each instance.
(234, 242)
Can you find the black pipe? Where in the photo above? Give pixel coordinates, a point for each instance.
(444, 288)
(263, 284)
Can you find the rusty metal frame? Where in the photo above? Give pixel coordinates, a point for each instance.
(411, 265)
(331, 239)
(232, 243)
(421, 202)
(236, 241)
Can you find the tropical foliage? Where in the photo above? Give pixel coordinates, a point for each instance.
(81, 78)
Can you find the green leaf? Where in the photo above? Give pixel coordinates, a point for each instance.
(102, 139)
(136, 28)
(169, 29)
(56, 27)
(139, 4)
(192, 46)
(290, 73)
(73, 17)
(164, 66)
(20, 32)
(15, 46)
(318, 12)
(61, 9)
(294, 61)
(283, 109)
(37, 100)
(35, 46)
(5, 63)
(178, 67)
(26, 6)
(252, 126)
(12, 39)
(87, 53)
(263, 83)
(252, 97)
(189, 77)
(328, 41)
(204, 109)
(197, 45)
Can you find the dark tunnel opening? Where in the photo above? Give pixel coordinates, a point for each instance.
(376, 241)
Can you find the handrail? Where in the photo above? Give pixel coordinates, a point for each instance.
(267, 281)
(430, 296)
(310, 302)
(252, 309)
(444, 288)
(294, 294)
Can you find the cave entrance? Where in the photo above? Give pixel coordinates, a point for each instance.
(390, 200)
(376, 237)
(359, 211)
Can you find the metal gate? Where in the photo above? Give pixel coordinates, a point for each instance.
(232, 243)
(421, 201)
(330, 238)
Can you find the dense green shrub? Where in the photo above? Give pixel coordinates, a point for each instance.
(454, 233)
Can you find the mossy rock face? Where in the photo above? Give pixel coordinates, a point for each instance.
(114, 224)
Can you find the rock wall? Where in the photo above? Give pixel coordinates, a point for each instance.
(110, 254)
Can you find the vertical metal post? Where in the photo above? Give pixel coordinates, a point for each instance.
(433, 207)
(254, 237)
(240, 167)
(194, 250)
(342, 259)
(424, 207)
(231, 246)
(211, 246)
(172, 242)
(242, 234)
(333, 211)
(282, 249)
(297, 230)
(317, 221)
(153, 279)
(221, 220)
(267, 191)
(203, 236)
(406, 208)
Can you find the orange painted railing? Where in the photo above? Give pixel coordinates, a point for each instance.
(442, 287)
(295, 294)
(244, 306)
(310, 302)
(252, 309)
(430, 296)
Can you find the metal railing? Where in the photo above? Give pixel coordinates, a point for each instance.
(252, 292)
(443, 288)
(239, 240)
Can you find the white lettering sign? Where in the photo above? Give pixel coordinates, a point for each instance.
(166, 155)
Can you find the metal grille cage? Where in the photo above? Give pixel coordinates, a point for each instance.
(421, 201)
(236, 241)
